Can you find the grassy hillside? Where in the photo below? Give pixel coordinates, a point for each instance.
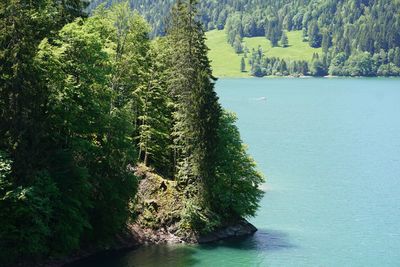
(297, 50)
(226, 63)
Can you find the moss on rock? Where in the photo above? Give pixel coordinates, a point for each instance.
(158, 204)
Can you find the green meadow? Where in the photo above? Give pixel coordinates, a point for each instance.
(226, 63)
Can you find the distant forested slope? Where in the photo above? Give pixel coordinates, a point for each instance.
(358, 37)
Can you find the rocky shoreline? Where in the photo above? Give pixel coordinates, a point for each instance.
(158, 207)
(238, 229)
(137, 236)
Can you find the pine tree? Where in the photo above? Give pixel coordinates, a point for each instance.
(284, 40)
(396, 59)
(156, 115)
(326, 41)
(242, 65)
(314, 36)
(196, 114)
(237, 44)
(273, 31)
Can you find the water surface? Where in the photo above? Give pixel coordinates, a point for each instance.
(330, 149)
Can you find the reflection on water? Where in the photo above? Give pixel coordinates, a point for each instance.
(262, 240)
(161, 255)
(188, 255)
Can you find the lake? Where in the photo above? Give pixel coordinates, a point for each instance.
(330, 149)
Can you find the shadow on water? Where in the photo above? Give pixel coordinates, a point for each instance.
(157, 255)
(185, 255)
(262, 240)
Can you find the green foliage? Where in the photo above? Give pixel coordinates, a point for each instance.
(78, 99)
(237, 44)
(242, 65)
(22, 27)
(75, 187)
(318, 68)
(236, 192)
(155, 118)
(28, 190)
(273, 31)
(272, 66)
(25, 215)
(224, 60)
(92, 106)
(337, 64)
(226, 63)
(284, 40)
(326, 41)
(70, 217)
(198, 218)
(388, 70)
(314, 36)
(337, 26)
(5, 169)
(360, 64)
(196, 108)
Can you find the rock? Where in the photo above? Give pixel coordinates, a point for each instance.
(238, 229)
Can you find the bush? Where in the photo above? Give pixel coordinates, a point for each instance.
(25, 214)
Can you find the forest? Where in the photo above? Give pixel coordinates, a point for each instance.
(358, 37)
(84, 101)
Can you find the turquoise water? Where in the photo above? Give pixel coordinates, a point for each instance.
(330, 149)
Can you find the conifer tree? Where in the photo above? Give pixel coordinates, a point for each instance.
(284, 40)
(326, 41)
(314, 36)
(396, 59)
(156, 115)
(242, 65)
(196, 114)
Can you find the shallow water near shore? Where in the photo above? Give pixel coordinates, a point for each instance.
(330, 149)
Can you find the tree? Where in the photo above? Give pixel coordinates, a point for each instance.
(360, 64)
(396, 59)
(344, 26)
(273, 31)
(79, 189)
(29, 201)
(237, 45)
(237, 185)
(22, 100)
(314, 36)
(92, 122)
(156, 115)
(84, 97)
(242, 65)
(318, 68)
(337, 64)
(388, 70)
(282, 67)
(284, 40)
(196, 114)
(326, 41)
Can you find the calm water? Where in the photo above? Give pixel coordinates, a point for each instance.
(331, 151)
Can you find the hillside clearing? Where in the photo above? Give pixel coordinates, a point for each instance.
(226, 63)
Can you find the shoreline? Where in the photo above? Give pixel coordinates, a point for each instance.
(308, 77)
(136, 237)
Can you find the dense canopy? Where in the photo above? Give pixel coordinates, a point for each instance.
(84, 101)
